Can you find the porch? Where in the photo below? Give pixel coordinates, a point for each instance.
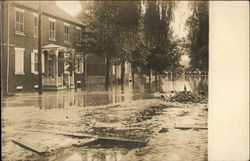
(62, 82)
(55, 76)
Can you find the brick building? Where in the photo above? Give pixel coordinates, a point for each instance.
(19, 57)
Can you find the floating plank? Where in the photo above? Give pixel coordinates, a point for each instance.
(60, 133)
(188, 126)
(83, 142)
(28, 146)
(88, 136)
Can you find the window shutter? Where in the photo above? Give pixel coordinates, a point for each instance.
(32, 55)
(19, 61)
(43, 63)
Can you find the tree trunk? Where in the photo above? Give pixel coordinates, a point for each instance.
(133, 74)
(155, 76)
(107, 75)
(70, 75)
(123, 72)
(149, 74)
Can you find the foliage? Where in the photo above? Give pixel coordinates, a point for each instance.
(121, 31)
(198, 34)
(158, 33)
(72, 60)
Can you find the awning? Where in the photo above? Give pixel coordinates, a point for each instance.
(54, 47)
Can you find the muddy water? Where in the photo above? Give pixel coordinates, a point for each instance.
(170, 144)
(96, 95)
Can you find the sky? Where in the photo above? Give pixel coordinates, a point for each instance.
(181, 14)
(72, 7)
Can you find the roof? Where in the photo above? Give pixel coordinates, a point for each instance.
(53, 46)
(50, 8)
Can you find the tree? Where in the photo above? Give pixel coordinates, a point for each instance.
(104, 31)
(198, 29)
(158, 34)
(114, 26)
(72, 60)
(138, 58)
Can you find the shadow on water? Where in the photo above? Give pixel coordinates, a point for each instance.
(95, 94)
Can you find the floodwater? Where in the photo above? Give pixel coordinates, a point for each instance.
(96, 94)
(131, 120)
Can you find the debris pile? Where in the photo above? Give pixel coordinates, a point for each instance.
(187, 96)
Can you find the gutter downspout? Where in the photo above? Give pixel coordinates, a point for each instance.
(8, 47)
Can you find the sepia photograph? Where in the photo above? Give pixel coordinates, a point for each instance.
(105, 80)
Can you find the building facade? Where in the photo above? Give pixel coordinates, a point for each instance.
(61, 35)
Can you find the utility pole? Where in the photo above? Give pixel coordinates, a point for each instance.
(40, 83)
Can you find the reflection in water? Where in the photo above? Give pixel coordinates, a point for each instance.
(96, 95)
(95, 155)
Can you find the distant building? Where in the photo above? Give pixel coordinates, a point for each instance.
(96, 64)
(19, 56)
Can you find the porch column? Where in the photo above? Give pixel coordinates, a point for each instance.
(73, 73)
(56, 67)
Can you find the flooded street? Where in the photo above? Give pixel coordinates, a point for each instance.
(123, 124)
(96, 95)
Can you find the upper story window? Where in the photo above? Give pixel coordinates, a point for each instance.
(78, 35)
(52, 29)
(35, 25)
(19, 24)
(66, 32)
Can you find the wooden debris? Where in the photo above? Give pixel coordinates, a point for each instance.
(83, 142)
(28, 146)
(94, 137)
(188, 126)
(60, 133)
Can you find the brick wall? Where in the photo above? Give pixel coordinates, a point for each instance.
(30, 43)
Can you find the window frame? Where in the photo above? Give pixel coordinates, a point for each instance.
(52, 32)
(78, 40)
(23, 52)
(35, 28)
(66, 35)
(81, 66)
(18, 10)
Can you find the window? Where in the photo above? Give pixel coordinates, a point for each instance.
(66, 32)
(113, 69)
(52, 29)
(19, 61)
(35, 25)
(34, 62)
(78, 35)
(80, 66)
(19, 21)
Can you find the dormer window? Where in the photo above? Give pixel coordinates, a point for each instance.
(52, 29)
(19, 24)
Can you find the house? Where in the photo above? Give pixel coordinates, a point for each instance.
(60, 32)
